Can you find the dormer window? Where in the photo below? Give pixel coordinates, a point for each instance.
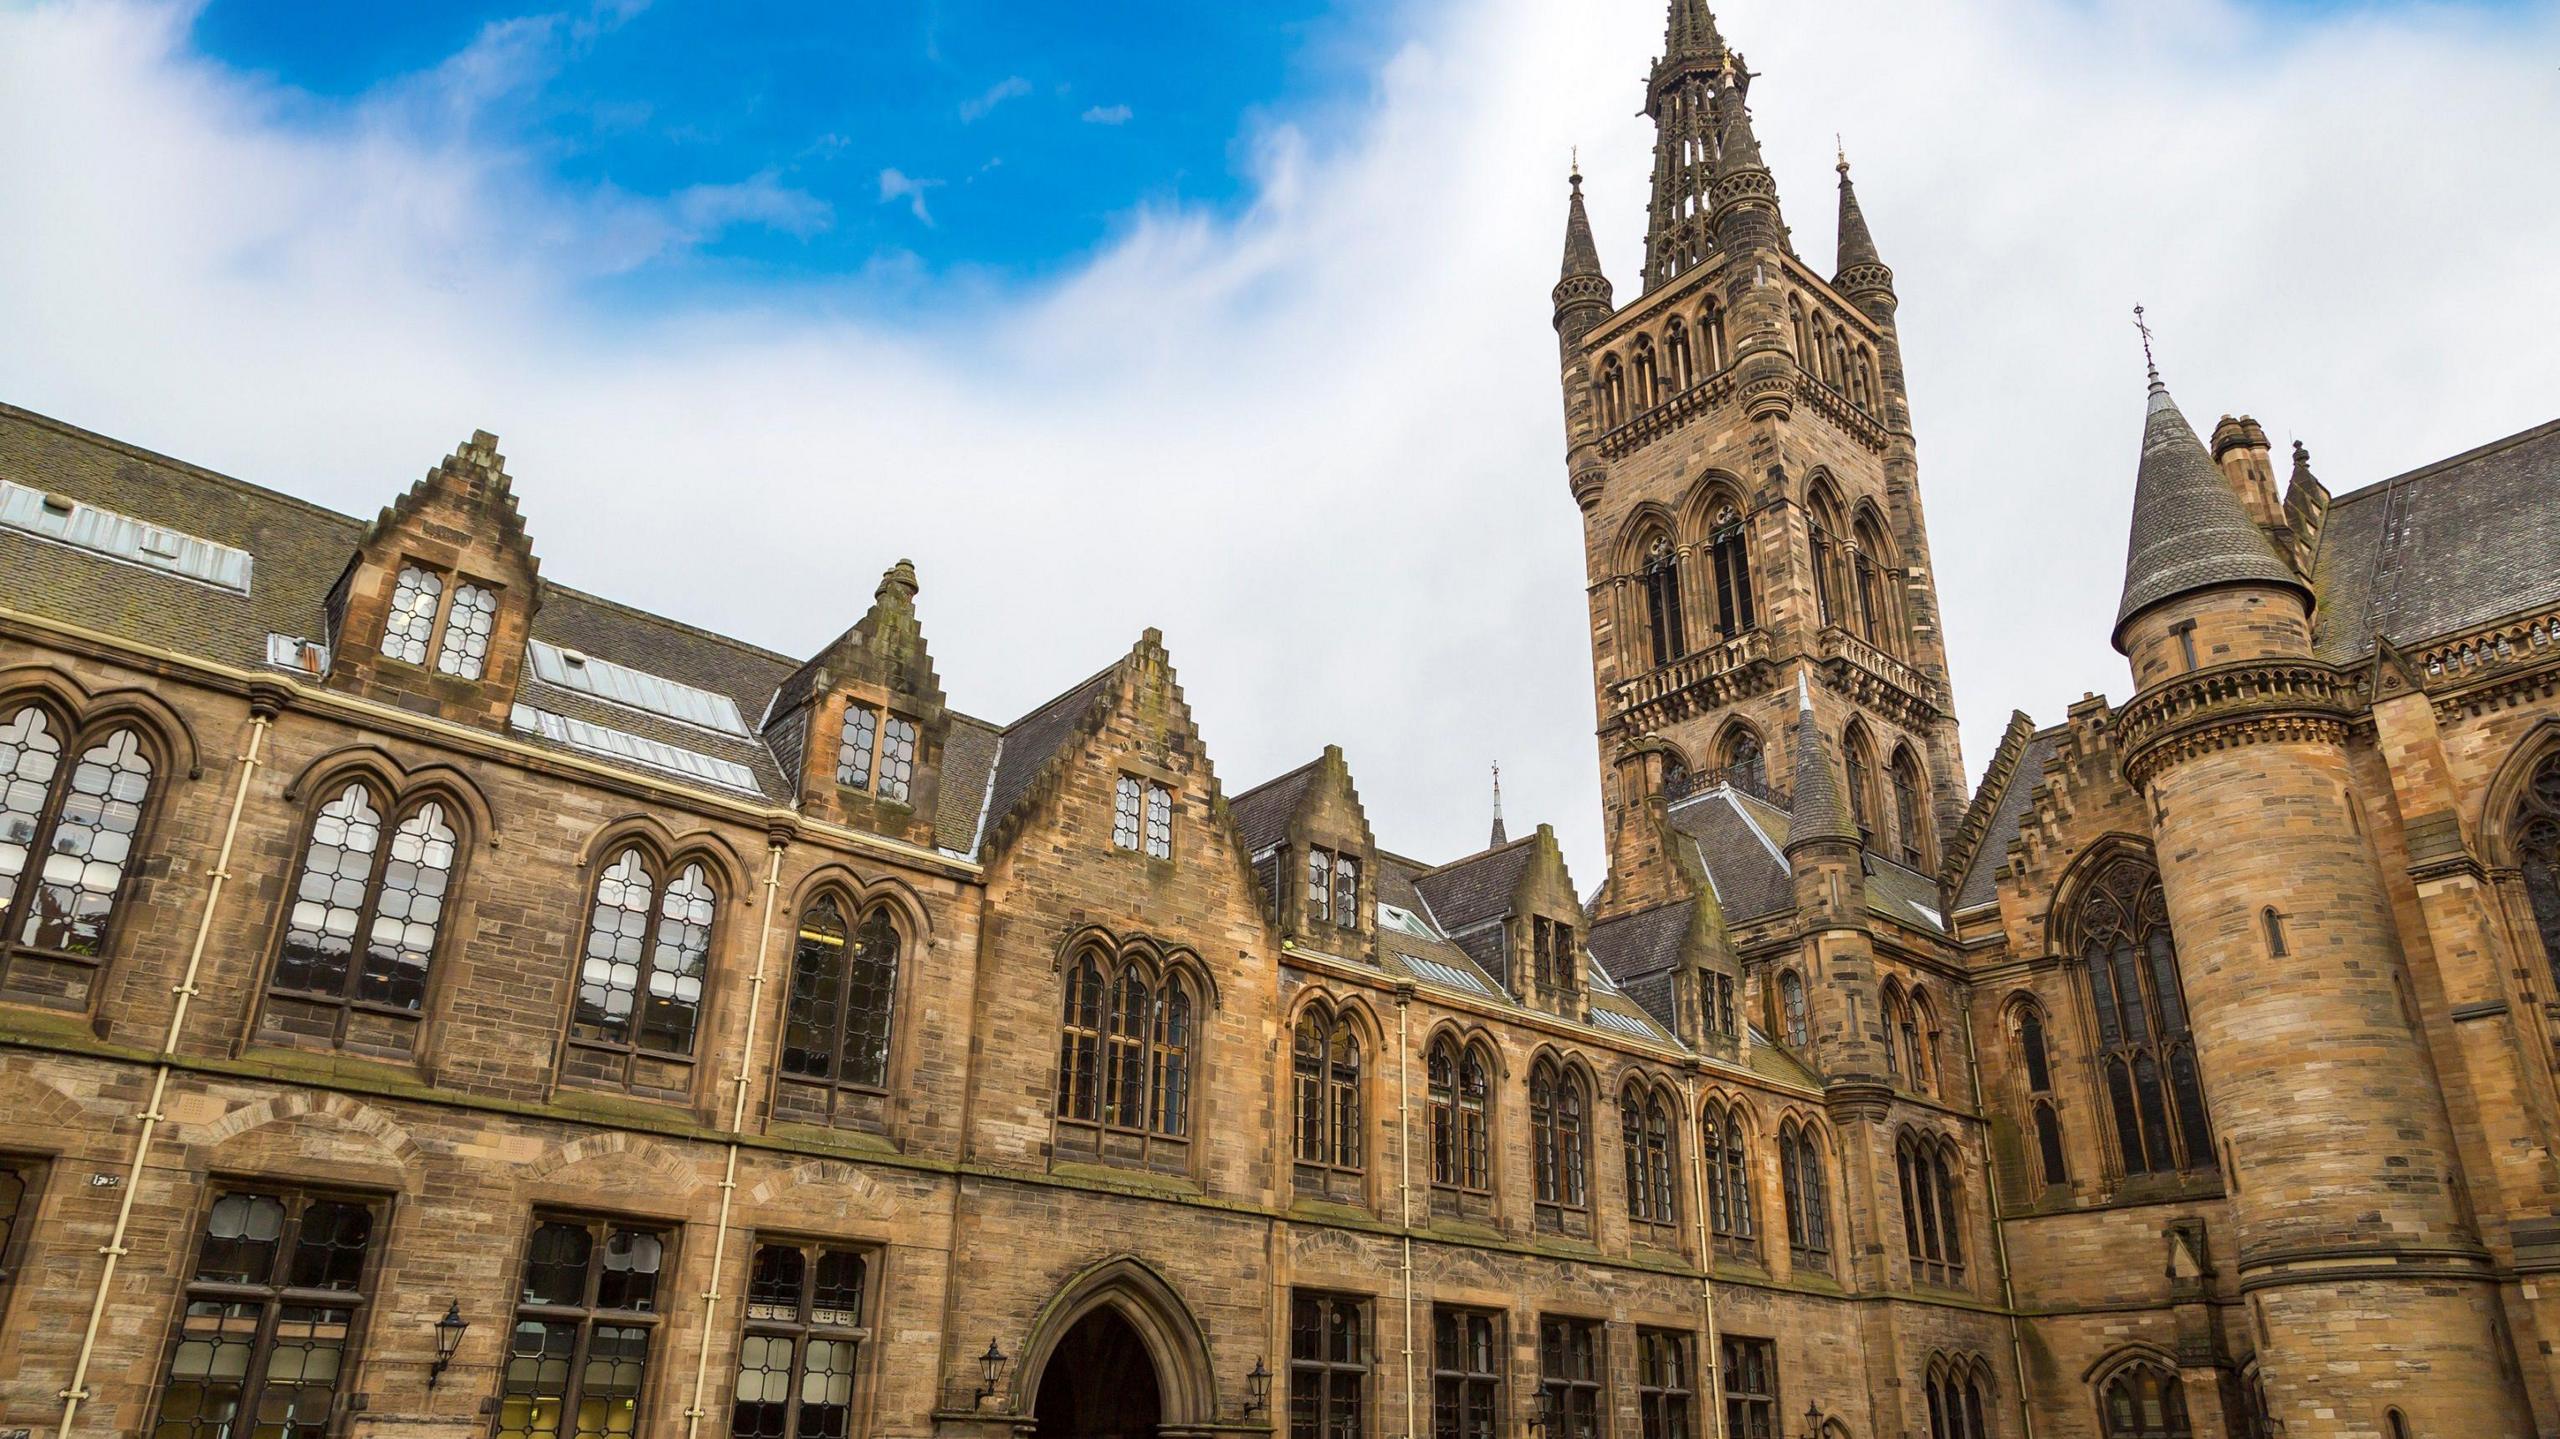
(421, 610)
(1552, 953)
(1142, 817)
(876, 756)
(1333, 888)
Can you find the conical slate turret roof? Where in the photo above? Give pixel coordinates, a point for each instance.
(1581, 255)
(1692, 32)
(1818, 813)
(2189, 531)
(1857, 246)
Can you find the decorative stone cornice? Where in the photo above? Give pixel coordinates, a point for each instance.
(2256, 702)
(1656, 421)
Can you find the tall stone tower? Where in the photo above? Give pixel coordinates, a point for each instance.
(1738, 439)
(2368, 1286)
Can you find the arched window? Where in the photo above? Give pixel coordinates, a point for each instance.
(1836, 372)
(1645, 1130)
(640, 980)
(1807, 353)
(1861, 768)
(1662, 602)
(1744, 766)
(1823, 520)
(1800, 1168)
(2144, 1401)
(2146, 1057)
(1711, 331)
(1726, 1156)
(1557, 1140)
(1730, 557)
(1919, 1043)
(1873, 569)
(368, 906)
(1613, 393)
(844, 991)
(1907, 812)
(1648, 380)
(1124, 1062)
(1891, 1006)
(2035, 1064)
(1326, 1063)
(66, 845)
(1679, 369)
(1955, 1391)
(1792, 1006)
(1932, 1216)
(2537, 832)
(1461, 1158)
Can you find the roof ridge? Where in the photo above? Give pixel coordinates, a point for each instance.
(652, 617)
(1241, 796)
(127, 447)
(1061, 697)
(2378, 488)
(1486, 853)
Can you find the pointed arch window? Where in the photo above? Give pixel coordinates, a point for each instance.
(1823, 522)
(1326, 1065)
(1613, 393)
(1712, 332)
(1932, 1214)
(1956, 1408)
(1744, 766)
(367, 911)
(2145, 1401)
(1662, 602)
(2537, 831)
(1125, 1060)
(640, 979)
(1917, 1036)
(1653, 1194)
(1801, 1173)
(844, 994)
(1460, 1090)
(1679, 369)
(1648, 380)
(1907, 816)
(1730, 557)
(1725, 1154)
(1862, 809)
(2035, 1063)
(66, 849)
(1791, 1004)
(2146, 1056)
(1559, 1143)
(1807, 353)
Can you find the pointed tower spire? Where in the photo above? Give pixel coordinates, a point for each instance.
(1583, 296)
(1816, 813)
(2189, 530)
(1746, 214)
(1680, 99)
(1860, 269)
(1501, 837)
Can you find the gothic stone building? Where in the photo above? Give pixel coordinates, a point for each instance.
(435, 1002)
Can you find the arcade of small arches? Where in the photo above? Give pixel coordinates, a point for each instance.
(1636, 374)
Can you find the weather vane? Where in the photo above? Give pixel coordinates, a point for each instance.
(2144, 326)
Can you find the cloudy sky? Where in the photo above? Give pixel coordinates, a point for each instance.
(1233, 320)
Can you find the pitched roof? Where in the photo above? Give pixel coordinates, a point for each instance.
(2009, 809)
(1465, 893)
(1636, 947)
(1741, 841)
(1262, 813)
(2444, 548)
(2189, 531)
(1033, 740)
(1817, 813)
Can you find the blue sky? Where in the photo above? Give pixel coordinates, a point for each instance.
(970, 134)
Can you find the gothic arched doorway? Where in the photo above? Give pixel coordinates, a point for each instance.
(1099, 1383)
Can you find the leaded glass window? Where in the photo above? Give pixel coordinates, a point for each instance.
(1346, 891)
(1159, 822)
(1466, 1374)
(1558, 1137)
(1320, 885)
(1652, 1161)
(1932, 1218)
(1792, 1004)
(369, 906)
(1956, 1409)
(844, 994)
(1802, 1175)
(1125, 1060)
(897, 758)
(1731, 558)
(1326, 1064)
(2537, 843)
(1128, 798)
(854, 750)
(1666, 1384)
(1662, 602)
(1750, 1388)
(1745, 767)
(1726, 1157)
(267, 1326)
(2145, 1402)
(66, 842)
(877, 753)
(640, 981)
(1328, 1366)
(415, 599)
(2036, 1064)
(802, 1343)
(2146, 1056)
(465, 650)
(1906, 809)
(1459, 1094)
(586, 1317)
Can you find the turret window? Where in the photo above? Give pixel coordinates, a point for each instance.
(1791, 1005)
(1906, 809)
(1744, 765)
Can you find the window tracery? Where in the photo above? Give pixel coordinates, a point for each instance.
(66, 842)
(2146, 1058)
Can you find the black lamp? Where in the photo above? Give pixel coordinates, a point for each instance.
(990, 1364)
(1813, 1421)
(448, 1339)
(1542, 1421)
(1258, 1389)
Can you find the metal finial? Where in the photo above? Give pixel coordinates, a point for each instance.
(2147, 362)
(1842, 146)
(1497, 791)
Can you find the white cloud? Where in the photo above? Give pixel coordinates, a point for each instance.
(898, 185)
(1318, 442)
(1008, 88)
(1107, 115)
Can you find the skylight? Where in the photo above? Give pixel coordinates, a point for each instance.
(636, 689)
(1398, 917)
(638, 749)
(1448, 974)
(122, 537)
(1623, 1023)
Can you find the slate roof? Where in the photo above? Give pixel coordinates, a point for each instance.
(1818, 812)
(1466, 892)
(1978, 884)
(1262, 813)
(2189, 531)
(2444, 548)
(1742, 843)
(298, 551)
(1033, 740)
(1639, 952)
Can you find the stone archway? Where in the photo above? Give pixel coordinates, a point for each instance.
(1122, 1318)
(1099, 1383)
